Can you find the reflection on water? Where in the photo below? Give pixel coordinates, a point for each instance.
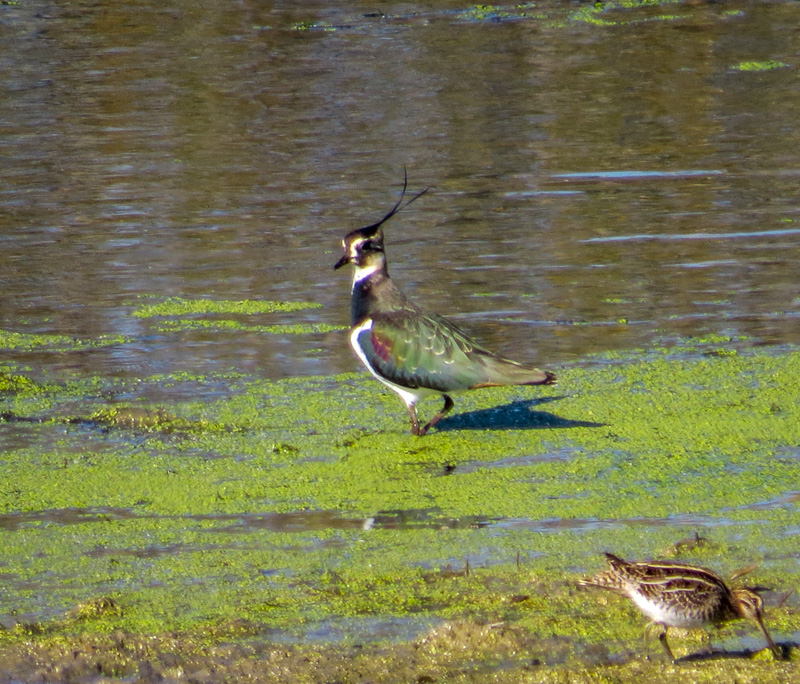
(315, 521)
(700, 236)
(298, 521)
(64, 516)
(592, 188)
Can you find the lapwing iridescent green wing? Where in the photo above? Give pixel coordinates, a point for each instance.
(415, 353)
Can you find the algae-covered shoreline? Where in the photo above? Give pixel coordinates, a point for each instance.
(296, 527)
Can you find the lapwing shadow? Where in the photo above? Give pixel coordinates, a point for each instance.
(518, 415)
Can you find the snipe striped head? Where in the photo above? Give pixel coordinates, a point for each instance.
(678, 595)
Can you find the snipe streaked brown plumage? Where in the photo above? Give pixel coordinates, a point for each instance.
(677, 595)
(412, 352)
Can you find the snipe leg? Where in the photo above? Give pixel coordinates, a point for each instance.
(647, 629)
(662, 637)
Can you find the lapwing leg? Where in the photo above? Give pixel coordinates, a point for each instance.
(412, 414)
(448, 404)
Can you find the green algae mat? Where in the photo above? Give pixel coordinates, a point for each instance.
(297, 527)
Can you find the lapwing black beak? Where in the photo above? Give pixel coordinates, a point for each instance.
(344, 260)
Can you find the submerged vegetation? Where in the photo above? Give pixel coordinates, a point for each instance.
(607, 13)
(760, 66)
(178, 306)
(170, 311)
(26, 342)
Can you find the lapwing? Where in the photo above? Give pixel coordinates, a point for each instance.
(415, 353)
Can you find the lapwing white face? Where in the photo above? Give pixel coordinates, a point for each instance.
(355, 249)
(364, 252)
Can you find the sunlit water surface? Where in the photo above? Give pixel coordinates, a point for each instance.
(593, 187)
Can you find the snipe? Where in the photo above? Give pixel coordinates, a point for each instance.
(678, 595)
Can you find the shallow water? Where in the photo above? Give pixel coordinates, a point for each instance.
(599, 182)
(310, 521)
(594, 187)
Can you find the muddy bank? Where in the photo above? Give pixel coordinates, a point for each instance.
(461, 651)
